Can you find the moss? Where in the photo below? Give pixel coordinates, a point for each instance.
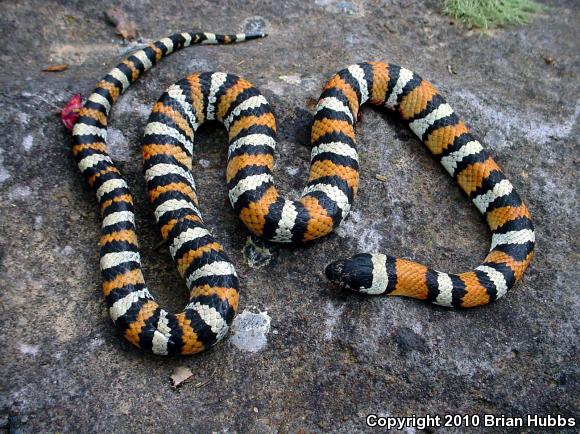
(487, 14)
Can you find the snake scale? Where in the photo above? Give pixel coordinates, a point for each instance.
(325, 202)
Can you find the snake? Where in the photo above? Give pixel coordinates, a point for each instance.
(167, 148)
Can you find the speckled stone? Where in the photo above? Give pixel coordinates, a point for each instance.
(331, 357)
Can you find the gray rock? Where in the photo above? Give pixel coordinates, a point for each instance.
(408, 340)
(330, 357)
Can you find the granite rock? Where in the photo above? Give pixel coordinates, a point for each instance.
(330, 357)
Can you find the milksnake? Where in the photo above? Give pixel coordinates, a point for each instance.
(325, 202)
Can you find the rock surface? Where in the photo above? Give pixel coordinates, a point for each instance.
(330, 357)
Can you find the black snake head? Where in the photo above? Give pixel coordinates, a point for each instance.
(355, 273)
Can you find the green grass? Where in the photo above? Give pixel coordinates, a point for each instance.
(487, 14)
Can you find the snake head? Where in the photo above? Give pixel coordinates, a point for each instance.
(355, 273)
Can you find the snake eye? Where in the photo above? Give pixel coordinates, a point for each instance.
(334, 271)
(355, 273)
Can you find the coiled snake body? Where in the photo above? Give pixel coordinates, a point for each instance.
(325, 202)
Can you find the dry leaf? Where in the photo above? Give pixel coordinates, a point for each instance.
(125, 28)
(382, 178)
(70, 112)
(56, 68)
(180, 375)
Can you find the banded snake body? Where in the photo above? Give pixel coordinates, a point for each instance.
(325, 202)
